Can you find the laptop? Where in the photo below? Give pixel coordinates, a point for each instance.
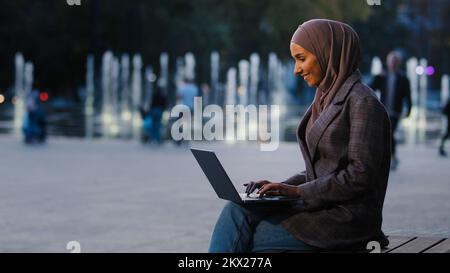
(222, 184)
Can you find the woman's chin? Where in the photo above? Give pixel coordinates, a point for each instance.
(310, 84)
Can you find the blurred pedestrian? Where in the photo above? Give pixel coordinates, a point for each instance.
(35, 125)
(394, 92)
(187, 92)
(153, 117)
(185, 96)
(157, 108)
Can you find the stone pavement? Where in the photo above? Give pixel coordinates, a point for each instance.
(120, 196)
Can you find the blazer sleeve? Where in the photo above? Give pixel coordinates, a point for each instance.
(368, 137)
(297, 179)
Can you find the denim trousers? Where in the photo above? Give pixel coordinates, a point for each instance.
(253, 228)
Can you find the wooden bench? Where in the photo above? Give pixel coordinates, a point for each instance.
(397, 244)
(412, 244)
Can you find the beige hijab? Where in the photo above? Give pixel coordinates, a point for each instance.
(336, 47)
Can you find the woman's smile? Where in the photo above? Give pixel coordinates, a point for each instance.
(306, 65)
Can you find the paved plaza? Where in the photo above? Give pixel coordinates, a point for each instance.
(121, 196)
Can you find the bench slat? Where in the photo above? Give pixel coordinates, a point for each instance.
(397, 241)
(417, 245)
(442, 247)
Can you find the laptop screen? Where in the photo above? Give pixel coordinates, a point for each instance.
(216, 174)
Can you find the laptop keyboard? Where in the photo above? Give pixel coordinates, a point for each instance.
(256, 196)
(251, 195)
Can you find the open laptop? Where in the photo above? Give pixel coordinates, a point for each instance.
(222, 184)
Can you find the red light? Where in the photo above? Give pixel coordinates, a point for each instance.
(43, 96)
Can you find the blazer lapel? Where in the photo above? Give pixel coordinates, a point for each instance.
(301, 139)
(328, 114)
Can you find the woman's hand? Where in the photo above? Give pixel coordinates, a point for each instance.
(279, 189)
(252, 186)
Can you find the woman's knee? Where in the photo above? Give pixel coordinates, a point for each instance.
(231, 208)
(231, 213)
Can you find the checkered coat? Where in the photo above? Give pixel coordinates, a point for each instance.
(347, 159)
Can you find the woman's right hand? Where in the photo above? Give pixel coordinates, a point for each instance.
(252, 186)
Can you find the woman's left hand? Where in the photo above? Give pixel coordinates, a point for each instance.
(279, 189)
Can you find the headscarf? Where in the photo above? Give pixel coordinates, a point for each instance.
(336, 47)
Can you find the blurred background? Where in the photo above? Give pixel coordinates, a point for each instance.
(205, 37)
(92, 71)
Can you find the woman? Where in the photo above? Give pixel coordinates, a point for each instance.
(344, 137)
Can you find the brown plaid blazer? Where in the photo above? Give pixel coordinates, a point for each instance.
(347, 158)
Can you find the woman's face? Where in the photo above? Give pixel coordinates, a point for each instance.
(306, 65)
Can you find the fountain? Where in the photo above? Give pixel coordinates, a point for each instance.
(189, 61)
(214, 94)
(444, 89)
(125, 114)
(89, 102)
(411, 66)
(19, 102)
(272, 67)
(106, 115)
(163, 81)
(243, 81)
(280, 96)
(179, 75)
(136, 93)
(29, 78)
(124, 90)
(115, 69)
(423, 90)
(376, 67)
(411, 122)
(254, 78)
(444, 96)
(230, 98)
